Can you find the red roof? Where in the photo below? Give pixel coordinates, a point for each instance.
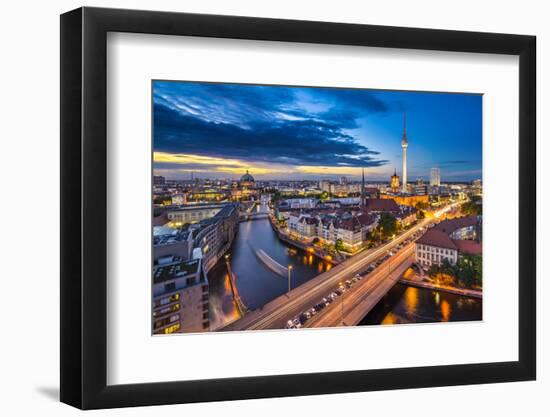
(365, 219)
(449, 226)
(381, 204)
(439, 236)
(309, 220)
(434, 237)
(468, 246)
(356, 223)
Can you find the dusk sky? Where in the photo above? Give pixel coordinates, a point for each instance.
(221, 130)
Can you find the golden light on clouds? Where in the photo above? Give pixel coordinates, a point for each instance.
(195, 159)
(236, 166)
(233, 166)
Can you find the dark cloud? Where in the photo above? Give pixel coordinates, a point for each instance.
(263, 124)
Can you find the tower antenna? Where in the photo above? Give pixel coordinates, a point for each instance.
(404, 145)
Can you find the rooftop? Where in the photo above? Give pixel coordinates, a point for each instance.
(439, 236)
(435, 237)
(355, 223)
(468, 246)
(175, 268)
(167, 236)
(379, 204)
(449, 226)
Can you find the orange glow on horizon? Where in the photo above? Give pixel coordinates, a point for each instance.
(237, 166)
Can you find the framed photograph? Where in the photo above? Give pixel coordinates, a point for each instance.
(257, 208)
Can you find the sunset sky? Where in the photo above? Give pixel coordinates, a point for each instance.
(216, 130)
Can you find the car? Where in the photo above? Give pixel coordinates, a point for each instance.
(307, 315)
(290, 325)
(302, 318)
(339, 291)
(333, 295)
(318, 307)
(297, 323)
(327, 300)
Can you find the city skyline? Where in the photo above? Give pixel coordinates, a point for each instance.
(283, 133)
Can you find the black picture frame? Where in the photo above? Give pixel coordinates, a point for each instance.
(84, 207)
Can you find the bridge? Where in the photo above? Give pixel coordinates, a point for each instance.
(277, 312)
(245, 217)
(354, 304)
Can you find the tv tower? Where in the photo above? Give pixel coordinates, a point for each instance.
(404, 145)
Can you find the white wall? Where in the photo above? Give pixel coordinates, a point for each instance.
(29, 108)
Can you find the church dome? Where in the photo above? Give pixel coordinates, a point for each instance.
(247, 177)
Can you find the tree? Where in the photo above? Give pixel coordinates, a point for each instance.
(469, 270)
(433, 270)
(472, 208)
(324, 196)
(387, 225)
(420, 215)
(339, 245)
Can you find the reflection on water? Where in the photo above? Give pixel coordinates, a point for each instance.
(222, 306)
(411, 301)
(257, 284)
(403, 304)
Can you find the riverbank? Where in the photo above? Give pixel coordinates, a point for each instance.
(310, 249)
(406, 304)
(443, 288)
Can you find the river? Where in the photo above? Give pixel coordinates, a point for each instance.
(256, 283)
(404, 304)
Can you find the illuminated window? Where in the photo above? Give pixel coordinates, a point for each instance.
(166, 310)
(166, 300)
(172, 329)
(167, 320)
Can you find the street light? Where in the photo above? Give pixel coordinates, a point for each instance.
(289, 270)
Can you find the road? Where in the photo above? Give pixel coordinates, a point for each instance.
(356, 302)
(276, 313)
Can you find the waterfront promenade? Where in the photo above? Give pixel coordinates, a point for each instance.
(443, 288)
